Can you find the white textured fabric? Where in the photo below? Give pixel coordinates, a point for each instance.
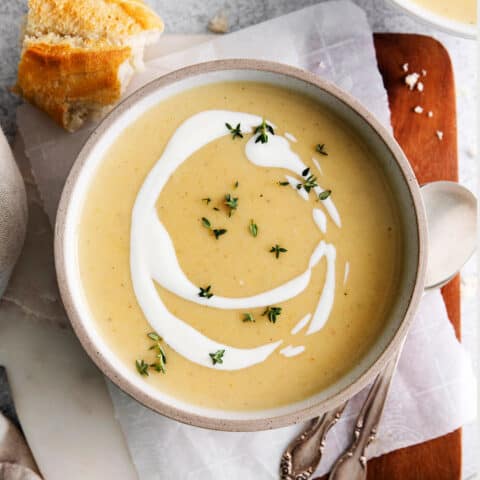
(434, 389)
(13, 212)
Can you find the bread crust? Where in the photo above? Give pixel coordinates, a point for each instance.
(74, 51)
(59, 78)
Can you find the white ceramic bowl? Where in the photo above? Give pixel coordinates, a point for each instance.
(438, 21)
(391, 159)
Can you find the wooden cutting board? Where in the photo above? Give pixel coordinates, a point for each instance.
(431, 159)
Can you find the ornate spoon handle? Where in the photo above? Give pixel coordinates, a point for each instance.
(303, 455)
(352, 465)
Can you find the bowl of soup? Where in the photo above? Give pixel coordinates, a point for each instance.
(240, 245)
(458, 17)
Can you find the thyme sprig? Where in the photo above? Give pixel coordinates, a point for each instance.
(205, 292)
(309, 182)
(320, 148)
(217, 357)
(248, 317)
(263, 130)
(142, 367)
(277, 249)
(231, 203)
(272, 313)
(236, 132)
(159, 365)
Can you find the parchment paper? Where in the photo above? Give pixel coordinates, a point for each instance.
(434, 389)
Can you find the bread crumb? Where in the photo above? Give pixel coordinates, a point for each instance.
(411, 80)
(405, 67)
(219, 23)
(424, 72)
(439, 134)
(420, 86)
(430, 114)
(418, 109)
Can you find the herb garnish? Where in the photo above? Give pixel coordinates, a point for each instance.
(320, 148)
(253, 227)
(217, 357)
(206, 222)
(248, 317)
(305, 172)
(283, 184)
(155, 337)
(219, 231)
(324, 195)
(278, 250)
(309, 183)
(231, 203)
(159, 365)
(142, 367)
(236, 132)
(272, 313)
(205, 292)
(161, 357)
(207, 200)
(263, 129)
(235, 185)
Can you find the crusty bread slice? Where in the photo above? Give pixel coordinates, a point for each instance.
(79, 55)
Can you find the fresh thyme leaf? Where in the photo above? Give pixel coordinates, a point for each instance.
(205, 292)
(207, 200)
(320, 148)
(305, 172)
(217, 357)
(206, 222)
(231, 203)
(142, 367)
(248, 317)
(272, 313)
(278, 250)
(161, 353)
(263, 130)
(154, 336)
(236, 132)
(253, 228)
(284, 184)
(324, 195)
(235, 185)
(159, 365)
(309, 183)
(216, 209)
(218, 232)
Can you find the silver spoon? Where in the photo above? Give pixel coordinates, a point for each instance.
(451, 218)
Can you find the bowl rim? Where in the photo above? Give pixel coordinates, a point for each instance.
(268, 422)
(445, 24)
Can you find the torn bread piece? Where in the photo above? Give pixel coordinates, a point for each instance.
(78, 56)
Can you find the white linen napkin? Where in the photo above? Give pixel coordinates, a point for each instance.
(434, 389)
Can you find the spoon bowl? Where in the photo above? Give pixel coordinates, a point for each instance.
(452, 230)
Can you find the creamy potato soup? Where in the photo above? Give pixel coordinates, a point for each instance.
(239, 247)
(464, 11)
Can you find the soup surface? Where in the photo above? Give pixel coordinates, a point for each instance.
(464, 11)
(261, 257)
